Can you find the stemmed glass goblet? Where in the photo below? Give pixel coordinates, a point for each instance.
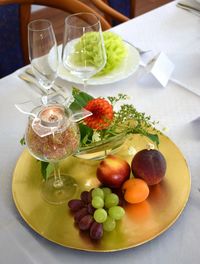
(43, 52)
(51, 136)
(83, 53)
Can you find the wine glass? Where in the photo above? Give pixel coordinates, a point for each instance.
(52, 135)
(43, 52)
(83, 53)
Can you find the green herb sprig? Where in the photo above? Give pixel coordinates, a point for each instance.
(127, 120)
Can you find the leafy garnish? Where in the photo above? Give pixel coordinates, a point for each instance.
(46, 169)
(114, 99)
(86, 134)
(22, 141)
(153, 137)
(80, 99)
(127, 120)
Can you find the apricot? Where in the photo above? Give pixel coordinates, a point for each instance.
(135, 190)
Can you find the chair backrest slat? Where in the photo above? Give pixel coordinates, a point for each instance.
(69, 6)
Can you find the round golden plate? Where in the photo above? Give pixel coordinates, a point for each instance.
(141, 223)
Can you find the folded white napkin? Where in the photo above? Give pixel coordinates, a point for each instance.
(187, 69)
(193, 4)
(186, 57)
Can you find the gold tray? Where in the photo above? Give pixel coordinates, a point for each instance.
(141, 223)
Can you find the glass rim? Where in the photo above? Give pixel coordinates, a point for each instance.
(49, 24)
(37, 109)
(82, 13)
(121, 136)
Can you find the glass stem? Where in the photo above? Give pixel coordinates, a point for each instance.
(45, 97)
(58, 182)
(84, 85)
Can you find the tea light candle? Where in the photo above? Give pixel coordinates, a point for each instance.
(52, 116)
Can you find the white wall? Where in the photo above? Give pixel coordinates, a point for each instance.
(36, 8)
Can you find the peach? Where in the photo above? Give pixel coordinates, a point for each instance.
(149, 165)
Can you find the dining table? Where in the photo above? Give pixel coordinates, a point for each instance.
(169, 30)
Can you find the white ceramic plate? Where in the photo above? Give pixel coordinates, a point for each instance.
(124, 70)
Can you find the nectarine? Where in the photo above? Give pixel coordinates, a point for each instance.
(113, 171)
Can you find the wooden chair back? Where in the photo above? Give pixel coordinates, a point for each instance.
(108, 10)
(69, 6)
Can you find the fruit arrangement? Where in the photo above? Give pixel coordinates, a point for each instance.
(96, 211)
(148, 168)
(148, 165)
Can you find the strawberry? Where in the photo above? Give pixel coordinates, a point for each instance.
(102, 114)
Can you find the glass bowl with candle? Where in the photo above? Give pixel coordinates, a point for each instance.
(53, 135)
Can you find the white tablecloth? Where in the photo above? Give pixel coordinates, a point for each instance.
(168, 29)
